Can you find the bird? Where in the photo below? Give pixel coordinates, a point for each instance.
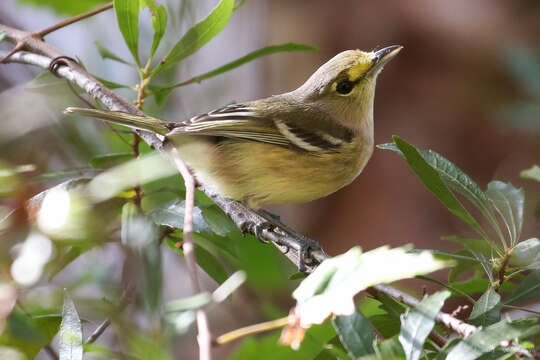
(293, 147)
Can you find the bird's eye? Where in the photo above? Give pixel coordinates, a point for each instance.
(344, 87)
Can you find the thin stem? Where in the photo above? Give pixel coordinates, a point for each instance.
(204, 336)
(502, 270)
(521, 309)
(250, 330)
(451, 288)
(73, 19)
(98, 331)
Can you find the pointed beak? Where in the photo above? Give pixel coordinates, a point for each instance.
(383, 56)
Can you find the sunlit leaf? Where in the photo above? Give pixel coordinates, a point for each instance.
(127, 15)
(110, 160)
(198, 35)
(417, 323)
(108, 54)
(67, 7)
(487, 310)
(489, 338)
(531, 173)
(526, 254)
(509, 203)
(356, 333)
(330, 289)
(159, 22)
(433, 182)
(528, 288)
(70, 340)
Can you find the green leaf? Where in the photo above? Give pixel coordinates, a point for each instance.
(29, 333)
(531, 173)
(172, 215)
(2, 35)
(386, 325)
(509, 203)
(433, 182)
(417, 323)
(159, 22)
(110, 160)
(160, 93)
(526, 254)
(219, 223)
(330, 289)
(70, 340)
(487, 310)
(127, 15)
(481, 246)
(111, 85)
(489, 338)
(198, 35)
(108, 54)
(210, 265)
(252, 56)
(66, 7)
(356, 333)
(193, 302)
(528, 288)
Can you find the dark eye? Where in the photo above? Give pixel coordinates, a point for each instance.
(344, 87)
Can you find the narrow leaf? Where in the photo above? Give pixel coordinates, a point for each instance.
(417, 323)
(127, 15)
(528, 288)
(356, 333)
(2, 35)
(487, 310)
(110, 84)
(531, 173)
(210, 265)
(161, 93)
(70, 340)
(110, 160)
(198, 35)
(159, 22)
(526, 254)
(487, 339)
(108, 54)
(433, 182)
(252, 56)
(509, 203)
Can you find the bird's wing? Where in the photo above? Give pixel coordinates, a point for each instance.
(241, 121)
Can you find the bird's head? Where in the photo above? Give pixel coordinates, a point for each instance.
(345, 85)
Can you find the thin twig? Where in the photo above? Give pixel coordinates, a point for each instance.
(204, 337)
(73, 19)
(252, 329)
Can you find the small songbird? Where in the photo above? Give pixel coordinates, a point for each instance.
(289, 148)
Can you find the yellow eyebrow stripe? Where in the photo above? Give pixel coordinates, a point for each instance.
(363, 65)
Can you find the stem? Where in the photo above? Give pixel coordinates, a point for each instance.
(502, 270)
(73, 19)
(250, 330)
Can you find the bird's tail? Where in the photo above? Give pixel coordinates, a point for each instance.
(122, 118)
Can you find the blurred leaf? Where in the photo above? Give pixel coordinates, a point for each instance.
(193, 302)
(252, 56)
(531, 173)
(526, 254)
(528, 288)
(198, 35)
(487, 339)
(66, 7)
(239, 4)
(70, 342)
(330, 289)
(109, 84)
(160, 93)
(479, 245)
(29, 334)
(229, 286)
(387, 350)
(210, 265)
(487, 310)
(268, 348)
(107, 54)
(417, 323)
(66, 257)
(356, 333)
(2, 35)
(127, 15)
(110, 160)
(433, 182)
(172, 215)
(159, 22)
(524, 65)
(509, 203)
(219, 223)
(145, 346)
(386, 325)
(63, 174)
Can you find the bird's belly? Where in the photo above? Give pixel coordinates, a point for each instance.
(261, 174)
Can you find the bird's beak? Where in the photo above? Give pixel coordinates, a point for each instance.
(383, 56)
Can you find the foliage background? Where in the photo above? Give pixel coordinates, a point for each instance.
(467, 84)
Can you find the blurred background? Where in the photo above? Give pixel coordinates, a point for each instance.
(467, 85)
